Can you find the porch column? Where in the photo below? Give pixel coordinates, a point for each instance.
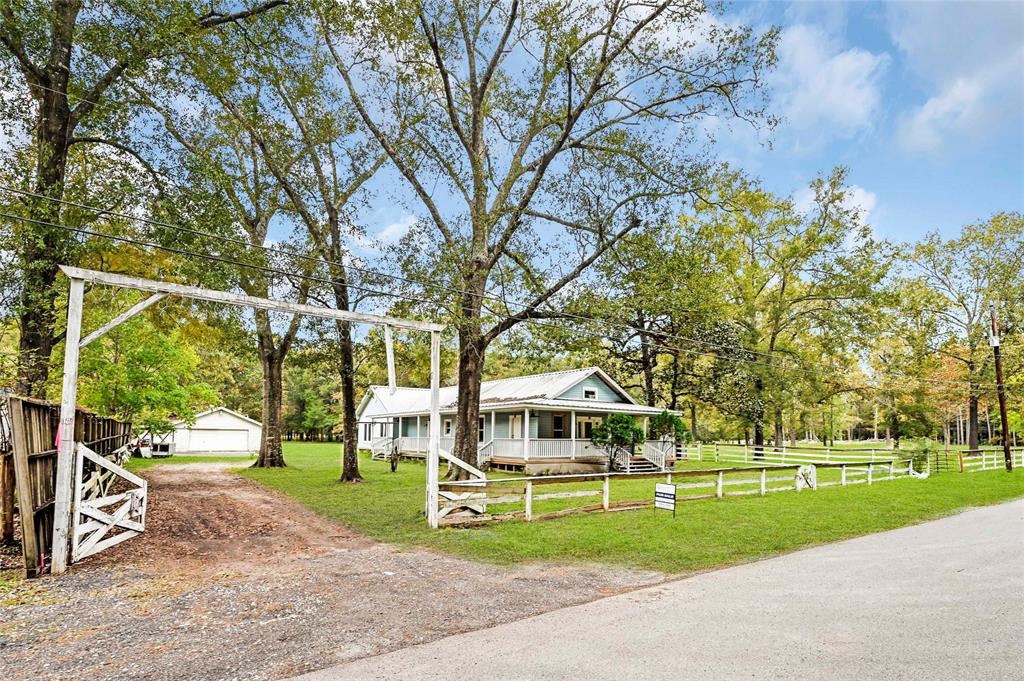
(647, 423)
(526, 434)
(419, 433)
(572, 433)
(492, 430)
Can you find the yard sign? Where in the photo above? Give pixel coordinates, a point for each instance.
(665, 497)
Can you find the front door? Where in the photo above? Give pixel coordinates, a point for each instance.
(515, 426)
(585, 426)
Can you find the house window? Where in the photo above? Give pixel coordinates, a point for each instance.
(447, 426)
(480, 430)
(558, 425)
(589, 394)
(367, 431)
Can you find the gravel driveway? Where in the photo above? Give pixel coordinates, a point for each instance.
(235, 581)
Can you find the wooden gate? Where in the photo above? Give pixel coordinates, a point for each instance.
(102, 515)
(34, 426)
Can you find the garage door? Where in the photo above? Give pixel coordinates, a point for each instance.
(210, 440)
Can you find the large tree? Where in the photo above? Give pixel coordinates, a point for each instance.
(301, 128)
(982, 265)
(73, 58)
(796, 285)
(536, 135)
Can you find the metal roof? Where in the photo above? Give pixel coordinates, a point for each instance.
(521, 391)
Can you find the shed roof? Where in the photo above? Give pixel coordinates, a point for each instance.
(182, 422)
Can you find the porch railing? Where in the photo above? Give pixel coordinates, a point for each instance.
(539, 448)
(657, 452)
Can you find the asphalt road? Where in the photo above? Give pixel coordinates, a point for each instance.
(942, 600)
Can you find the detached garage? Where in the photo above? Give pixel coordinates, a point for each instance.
(219, 430)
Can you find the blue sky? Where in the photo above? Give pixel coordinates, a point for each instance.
(923, 102)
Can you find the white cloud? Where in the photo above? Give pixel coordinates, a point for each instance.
(393, 232)
(389, 235)
(970, 59)
(823, 89)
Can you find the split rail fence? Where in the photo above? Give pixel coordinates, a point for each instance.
(474, 501)
(34, 433)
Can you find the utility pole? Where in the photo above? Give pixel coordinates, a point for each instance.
(1000, 390)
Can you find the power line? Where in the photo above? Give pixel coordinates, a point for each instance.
(403, 296)
(509, 305)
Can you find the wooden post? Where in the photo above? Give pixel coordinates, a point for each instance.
(572, 432)
(668, 479)
(764, 481)
(7, 496)
(716, 452)
(871, 468)
(700, 451)
(492, 431)
(960, 456)
(842, 476)
(529, 500)
(434, 447)
(29, 539)
(389, 349)
(66, 430)
(718, 490)
(605, 492)
(892, 469)
(526, 434)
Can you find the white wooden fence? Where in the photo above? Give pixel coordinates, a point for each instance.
(716, 483)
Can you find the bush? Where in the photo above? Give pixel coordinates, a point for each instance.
(619, 431)
(669, 426)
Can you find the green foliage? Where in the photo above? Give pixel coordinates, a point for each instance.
(139, 374)
(618, 431)
(669, 426)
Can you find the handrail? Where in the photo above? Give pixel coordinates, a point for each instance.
(469, 468)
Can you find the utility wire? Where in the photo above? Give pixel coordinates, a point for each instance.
(509, 305)
(405, 296)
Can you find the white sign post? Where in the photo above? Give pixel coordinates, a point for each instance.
(665, 497)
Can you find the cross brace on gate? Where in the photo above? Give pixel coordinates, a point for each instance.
(161, 289)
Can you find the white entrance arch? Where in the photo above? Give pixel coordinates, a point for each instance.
(160, 290)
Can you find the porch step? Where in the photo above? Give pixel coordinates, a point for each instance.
(637, 465)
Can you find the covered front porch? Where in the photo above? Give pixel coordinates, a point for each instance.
(531, 439)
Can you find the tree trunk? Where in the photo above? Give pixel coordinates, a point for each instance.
(759, 422)
(972, 418)
(471, 366)
(472, 346)
(693, 420)
(779, 435)
(346, 365)
(647, 359)
(272, 363)
(350, 432)
(44, 248)
(894, 428)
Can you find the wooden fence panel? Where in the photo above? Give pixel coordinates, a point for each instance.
(34, 426)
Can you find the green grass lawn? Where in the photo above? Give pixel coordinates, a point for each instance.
(704, 534)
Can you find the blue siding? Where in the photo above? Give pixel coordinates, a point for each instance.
(604, 391)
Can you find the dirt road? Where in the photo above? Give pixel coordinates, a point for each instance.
(232, 580)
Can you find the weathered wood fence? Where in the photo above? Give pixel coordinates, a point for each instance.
(34, 430)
